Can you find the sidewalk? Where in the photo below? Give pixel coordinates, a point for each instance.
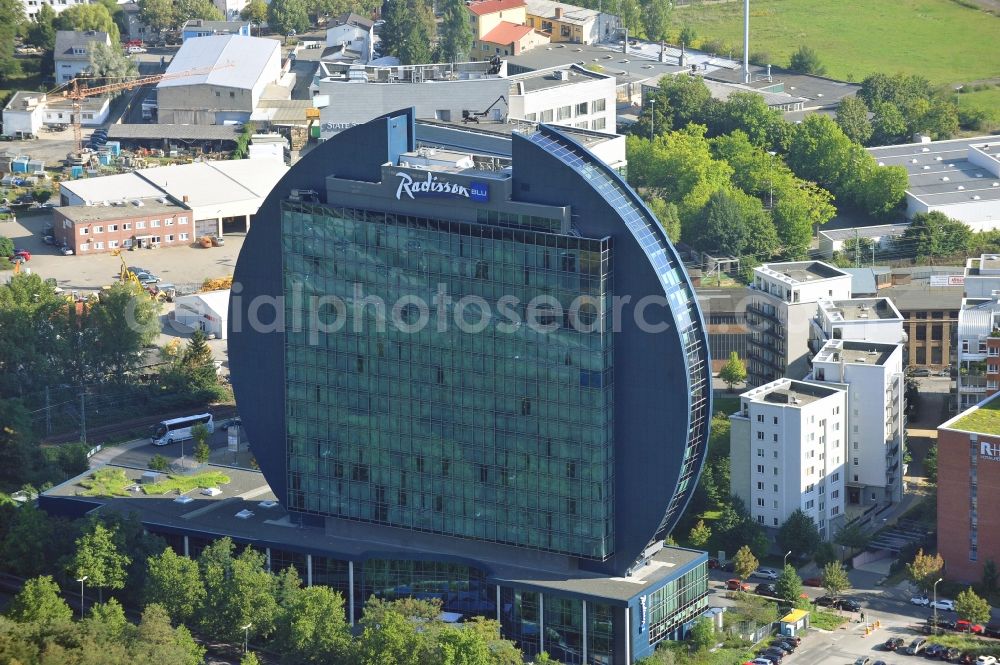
(109, 453)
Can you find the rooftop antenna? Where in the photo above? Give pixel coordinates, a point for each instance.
(746, 41)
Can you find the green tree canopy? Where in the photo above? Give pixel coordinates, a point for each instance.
(456, 34)
(174, 583)
(971, 607)
(703, 634)
(186, 10)
(935, 234)
(284, 16)
(39, 602)
(700, 534)
(734, 371)
(744, 563)
(789, 584)
(11, 18)
(656, 19)
(255, 12)
(88, 17)
(239, 591)
(835, 580)
(110, 62)
(798, 535)
(806, 61)
(312, 629)
(42, 31)
(158, 14)
(925, 569)
(97, 557)
(852, 116)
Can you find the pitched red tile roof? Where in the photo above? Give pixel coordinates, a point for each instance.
(506, 33)
(491, 6)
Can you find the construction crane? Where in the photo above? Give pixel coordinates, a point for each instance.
(125, 275)
(78, 91)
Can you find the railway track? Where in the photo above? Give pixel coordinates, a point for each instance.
(110, 431)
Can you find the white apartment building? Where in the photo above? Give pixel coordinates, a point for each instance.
(978, 351)
(572, 96)
(860, 319)
(32, 7)
(871, 373)
(780, 311)
(787, 450)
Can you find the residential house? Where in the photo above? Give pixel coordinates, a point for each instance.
(72, 52)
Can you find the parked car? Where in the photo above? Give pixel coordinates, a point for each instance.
(766, 589)
(923, 371)
(920, 600)
(862, 660)
(847, 605)
(941, 604)
(813, 581)
(760, 661)
(23, 253)
(952, 655)
(218, 241)
(765, 573)
(66, 251)
(729, 567)
(934, 650)
(916, 646)
(784, 645)
(879, 662)
(893, 643)
(49, 240)
(147, 278)
(713, 563)
(966, 626)
(137, 269)
(992, 630)
(135, 49)
(792, 639)
(737, 585)
(770, 659)
(986, 660)
(825, 601)
(774, 653)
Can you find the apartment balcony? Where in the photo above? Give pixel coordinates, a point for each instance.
(759, 310)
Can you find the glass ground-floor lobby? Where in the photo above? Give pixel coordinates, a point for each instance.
(541, 602)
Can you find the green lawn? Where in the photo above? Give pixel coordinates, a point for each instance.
(966, 643)
(984, 420)
(987, 100)
(826, 620)
(938, 39)
(30, 78)
(175, 483)
(106, 482)
(727, 404)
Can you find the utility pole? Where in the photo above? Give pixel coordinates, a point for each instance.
(83, 414)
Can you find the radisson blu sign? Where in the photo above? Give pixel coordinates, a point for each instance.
(434, 186)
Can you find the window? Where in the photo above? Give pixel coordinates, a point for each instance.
(154, 223)
(760, 486)
(598, 105)
(775, 437)
(112, 244)
(760, 417)
(581, 109)
(775, 521)
(98, 245)
(141, 224)
(599, 123)
(835, 494)
(98, 229)
(855, 461)
(760, 452)
(547, 115)
(809, 504)
(184, 236)
(760, 519)
(168, 222)
(760, 468)
(127, 226)
(775, 487)
(84, 231)
(835, 510)
(565, 112)
(531, 117)
(760, 502)
(775, 470)
(181, 221)
(112, 227)
(775, 420)
(760, 436)
(835, 477)
(232, 94)
(84, 247)
(170, 238)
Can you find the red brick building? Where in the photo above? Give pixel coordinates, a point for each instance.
(140, 223)
(969, 478)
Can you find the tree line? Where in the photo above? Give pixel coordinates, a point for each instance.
(225, 594)
(734, 177)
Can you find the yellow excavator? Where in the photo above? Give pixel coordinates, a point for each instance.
(126, 276)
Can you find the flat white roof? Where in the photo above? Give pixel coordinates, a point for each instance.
(217, 182)
(216, 301)
(95, 191)
(241, 61)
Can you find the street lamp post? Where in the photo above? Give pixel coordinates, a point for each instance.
(934, 605)
(81, 581)
(246, 637)
(652, 118)
(784, 562)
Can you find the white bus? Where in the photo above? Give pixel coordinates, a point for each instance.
(179, 429)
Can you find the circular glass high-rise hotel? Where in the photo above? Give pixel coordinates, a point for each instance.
(494, 368)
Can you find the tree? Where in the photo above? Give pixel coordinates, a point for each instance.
(734, 371)
(990, 576)
(116, 329)
(201, 451)
(747, 112)
(687, 36)
(249, 658)
(156, 641)
(852, 116)
(456, 35)
(285, 16)
(935, 234)
(42, 31)
(98, 558)
(735, 224)
(11, 18)
(806, 61)
(931, 464)
(239, 591)
(255, 12)
(702, 634)
(789, 584)
(312, 629)
(853, 536)
(174, 582)
(6, 244)
(835, 580)
(159, 15)
(158, 463)
(666, 214)
(39, 602)
(736, 528)
(925, 569)
(799, 534)
(825, 553)
(108, 619)
(744, 563)
(700, 534)
(111, 62)
(88, 17)
(888, 124)
(971, 607)
(186, 10)
(656, 19)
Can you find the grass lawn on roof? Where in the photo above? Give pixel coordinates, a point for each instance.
(985, 419)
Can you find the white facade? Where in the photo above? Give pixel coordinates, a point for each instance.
(32, 7)
(72, 52)
(93, 112)
(787, 451)
(860, 319)
(571, 96)
(355, 38)
(782, 306)
(208, 312)
(982, 276)
(23, 114)
(872, 375)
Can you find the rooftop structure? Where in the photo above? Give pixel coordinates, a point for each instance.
(233, 61)
(483, 7)
(840, 311)
(781, 101)
(82, 214)
(565, 13)
(881, 235)
(198, 27)
(788, 391)
(817, 91)
(800, 272)
(848, 351)
(960, 178)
